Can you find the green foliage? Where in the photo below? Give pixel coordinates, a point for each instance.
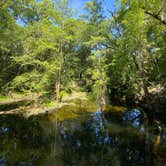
(43, 44)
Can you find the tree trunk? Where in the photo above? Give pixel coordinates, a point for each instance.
(144, 79)
(57, 91)
(101, 86)
(58, 83)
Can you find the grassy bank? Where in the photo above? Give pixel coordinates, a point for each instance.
(77, 100)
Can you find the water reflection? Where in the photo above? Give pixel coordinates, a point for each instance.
(79, 140)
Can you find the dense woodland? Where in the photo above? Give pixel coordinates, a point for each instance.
(46, 48)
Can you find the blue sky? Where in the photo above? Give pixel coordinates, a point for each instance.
(79, 5)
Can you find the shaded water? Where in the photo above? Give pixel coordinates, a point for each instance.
(70, 137)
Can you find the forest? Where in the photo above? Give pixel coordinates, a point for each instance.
(111, 53)
(49, 51)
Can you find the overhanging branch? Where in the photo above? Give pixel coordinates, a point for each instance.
(157, 17)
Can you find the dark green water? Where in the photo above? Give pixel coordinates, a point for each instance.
(78, 138)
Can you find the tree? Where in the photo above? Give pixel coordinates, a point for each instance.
(135, 47)
(10, 43)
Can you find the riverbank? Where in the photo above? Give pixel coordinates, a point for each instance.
(32, 104)
(28, 107)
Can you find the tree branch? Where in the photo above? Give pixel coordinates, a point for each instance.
(157, 17)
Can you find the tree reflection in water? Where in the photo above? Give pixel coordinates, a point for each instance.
(96, 139)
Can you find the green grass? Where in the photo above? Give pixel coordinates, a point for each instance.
(4, 98)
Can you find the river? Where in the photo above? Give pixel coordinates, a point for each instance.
(70, 137)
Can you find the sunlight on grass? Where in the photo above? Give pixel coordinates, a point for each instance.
(4, 98)
(117, 109)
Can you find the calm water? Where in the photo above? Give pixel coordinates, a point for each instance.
(71, 137)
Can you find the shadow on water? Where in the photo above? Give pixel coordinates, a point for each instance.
(79, 138)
